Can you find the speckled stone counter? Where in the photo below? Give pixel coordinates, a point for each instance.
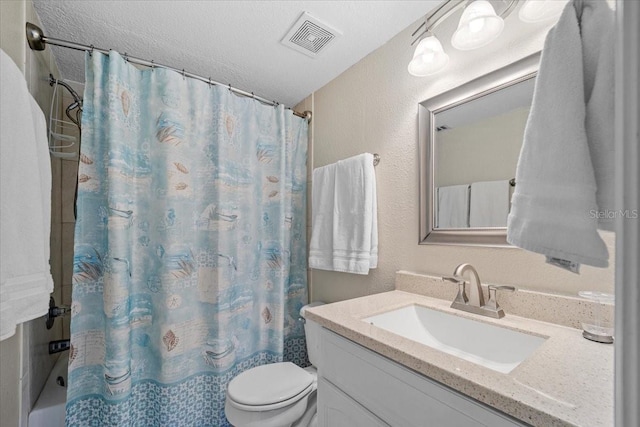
(568, 381)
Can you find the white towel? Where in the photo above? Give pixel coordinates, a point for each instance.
(25, 203)
(344, 233)
(323, 189)
(453, 206)
(598, 46)
(554, 203)
(489, 206)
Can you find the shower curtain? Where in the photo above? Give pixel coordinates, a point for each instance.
(190, 246)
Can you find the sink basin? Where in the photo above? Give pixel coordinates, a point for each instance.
(494, 347)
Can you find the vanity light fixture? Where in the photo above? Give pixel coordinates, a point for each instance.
(540, 10)
(479, 25)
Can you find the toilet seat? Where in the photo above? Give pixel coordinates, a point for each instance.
(270, 387)
(275, 405)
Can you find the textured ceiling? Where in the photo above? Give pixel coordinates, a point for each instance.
(236, 42)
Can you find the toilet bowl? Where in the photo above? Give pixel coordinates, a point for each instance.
(278, 394)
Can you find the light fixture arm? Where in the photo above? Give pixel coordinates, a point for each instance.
(507, 11)
(436, 17)
(445, 10)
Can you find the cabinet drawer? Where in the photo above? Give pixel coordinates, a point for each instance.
(397, 395)
(336, 409)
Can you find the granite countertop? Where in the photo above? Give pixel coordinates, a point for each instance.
(567, 381)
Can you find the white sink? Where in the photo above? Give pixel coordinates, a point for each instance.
(494, 347)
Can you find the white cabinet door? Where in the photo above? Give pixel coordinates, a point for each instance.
(336, 409)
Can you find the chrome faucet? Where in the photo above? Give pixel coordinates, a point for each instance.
(475, 302)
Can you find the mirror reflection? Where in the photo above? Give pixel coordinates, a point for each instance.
(476, 147)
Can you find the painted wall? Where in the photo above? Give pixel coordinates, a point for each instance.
(372, 107)
(486, 150)
(24, 359)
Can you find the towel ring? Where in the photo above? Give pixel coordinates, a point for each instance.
(376, 159)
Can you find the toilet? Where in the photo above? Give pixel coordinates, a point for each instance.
(278, 394)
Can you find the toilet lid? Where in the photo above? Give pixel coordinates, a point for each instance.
(268, 384)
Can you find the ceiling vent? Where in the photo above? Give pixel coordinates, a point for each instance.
(310, 35)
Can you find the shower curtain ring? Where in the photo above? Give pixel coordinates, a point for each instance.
(230, 87)
(153, 66)
(253, 96)
(183, 76)
(91, 51)
(209, 82)
(126, 57)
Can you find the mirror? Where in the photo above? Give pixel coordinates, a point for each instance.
(469, 143)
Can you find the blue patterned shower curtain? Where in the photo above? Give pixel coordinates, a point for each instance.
(190, 246)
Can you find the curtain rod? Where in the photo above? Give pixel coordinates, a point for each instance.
(37, 41)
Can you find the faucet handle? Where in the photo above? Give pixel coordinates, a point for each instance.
(492, 304)
(462, 296)
(495, 288)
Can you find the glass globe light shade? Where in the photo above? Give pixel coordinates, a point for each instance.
(428, 58)
(479, 25)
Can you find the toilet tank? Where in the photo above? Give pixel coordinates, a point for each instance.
(312, 333)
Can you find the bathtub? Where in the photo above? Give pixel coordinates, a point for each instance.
(49, 410)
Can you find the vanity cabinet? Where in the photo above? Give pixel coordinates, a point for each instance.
(358, 387)
(336, 409)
